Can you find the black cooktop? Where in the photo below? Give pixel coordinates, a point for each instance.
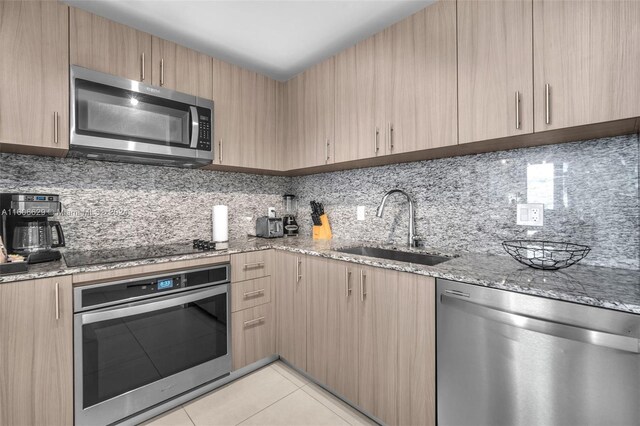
(126, 254)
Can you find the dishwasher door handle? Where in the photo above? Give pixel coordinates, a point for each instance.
(552, 328)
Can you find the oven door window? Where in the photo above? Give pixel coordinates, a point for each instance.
(109, 112)
(123, 354)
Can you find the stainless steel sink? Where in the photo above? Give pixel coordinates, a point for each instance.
(401, 256)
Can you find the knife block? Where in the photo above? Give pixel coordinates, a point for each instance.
(322, 232)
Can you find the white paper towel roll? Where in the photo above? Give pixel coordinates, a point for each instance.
(220, 223)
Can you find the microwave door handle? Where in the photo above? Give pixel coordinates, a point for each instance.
(195, 126)
(143, 307)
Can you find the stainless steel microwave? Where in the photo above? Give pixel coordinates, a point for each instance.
(116, 119)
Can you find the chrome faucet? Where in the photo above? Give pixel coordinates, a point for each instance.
(412, 239)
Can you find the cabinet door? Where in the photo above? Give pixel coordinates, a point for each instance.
(495, 69)
(253, 335)
(103, 45)
(417, 80)
(357, 135)
(332, 325)
(227, 84)
(378, 336)
(588, 53)
(36, 355)
(34, 74)
(317, 107)
(416, 350)
(178, 68)
(290, 283)
(266, 148)
(245, 118)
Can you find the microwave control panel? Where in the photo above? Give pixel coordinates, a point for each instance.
(204, 136)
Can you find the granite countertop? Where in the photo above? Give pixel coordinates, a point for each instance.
(617, 289)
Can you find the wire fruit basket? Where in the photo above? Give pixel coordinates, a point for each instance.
(550, 255)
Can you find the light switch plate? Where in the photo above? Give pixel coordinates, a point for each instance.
(530, 214)
(360, 212)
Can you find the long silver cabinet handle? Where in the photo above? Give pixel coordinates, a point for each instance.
(517, 110)
(363, 277)
(142, 67)
(161, 72)
(253, 321)
(220, 150)
(55, 127)
(252, 293)
(390, 132)
(253, 265)
(57, 301)
(347, 276)
(547, 100)
(539, 325)
(298, 274)
(326, 152)
(376, 133)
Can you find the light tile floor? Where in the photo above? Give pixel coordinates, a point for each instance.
(273, 395)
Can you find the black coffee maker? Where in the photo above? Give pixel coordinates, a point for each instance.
(26, 228)
(290, 207)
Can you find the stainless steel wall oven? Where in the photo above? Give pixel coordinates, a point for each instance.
(142, 341)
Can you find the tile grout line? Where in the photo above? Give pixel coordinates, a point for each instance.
(276, 370)
(326, 406)
(190, 419)
(258, 412)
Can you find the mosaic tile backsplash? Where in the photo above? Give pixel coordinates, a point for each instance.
(463, 204)
(109, 205)
(468, 204)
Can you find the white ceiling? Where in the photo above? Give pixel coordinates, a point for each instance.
(277, 38)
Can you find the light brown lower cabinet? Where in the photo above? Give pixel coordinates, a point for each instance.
(332, 325)
(290, 283)
(252, 335)
(378, 343)
(371, 338)
(36, 352)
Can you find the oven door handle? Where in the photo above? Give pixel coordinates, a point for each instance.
(147, 306)
(195, 126)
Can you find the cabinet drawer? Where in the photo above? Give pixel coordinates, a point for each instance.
(250, 293)
(247, 266)
(252, 335)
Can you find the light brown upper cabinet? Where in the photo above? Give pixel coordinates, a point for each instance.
(418, 80)
(179, 68)
(103, 45)
(495, 69)
(586, 62)
(396, 90)
(316, 105)
(34, 77)
(357, 135)
(245, 118)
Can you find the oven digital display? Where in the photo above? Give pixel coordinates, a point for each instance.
(165, 284)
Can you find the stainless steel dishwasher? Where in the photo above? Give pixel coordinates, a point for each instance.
(505, 358)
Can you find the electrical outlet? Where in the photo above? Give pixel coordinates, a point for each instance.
(530, 214)
(360, 212)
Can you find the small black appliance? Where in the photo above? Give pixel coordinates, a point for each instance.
(290, 207)
(26, 228)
